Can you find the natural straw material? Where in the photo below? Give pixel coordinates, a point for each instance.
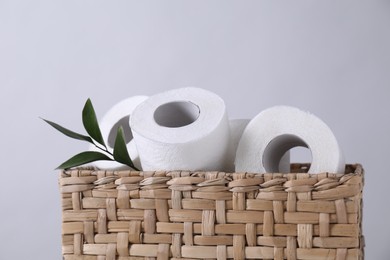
(211, 215)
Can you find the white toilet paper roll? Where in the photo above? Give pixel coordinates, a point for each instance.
(181, 129)
(237, 127)
(278, 129)
(117, 116)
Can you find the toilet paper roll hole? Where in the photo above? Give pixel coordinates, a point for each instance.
(124, 123)
(176, 114)
(299, 151)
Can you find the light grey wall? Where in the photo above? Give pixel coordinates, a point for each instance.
(329, 57)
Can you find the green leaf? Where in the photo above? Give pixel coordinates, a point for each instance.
(120, 150)
(83, 158)
(91, 124)
(68, 132)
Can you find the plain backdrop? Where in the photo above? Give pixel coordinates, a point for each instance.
(329, 57)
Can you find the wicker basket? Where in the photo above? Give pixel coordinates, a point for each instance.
(211, 215)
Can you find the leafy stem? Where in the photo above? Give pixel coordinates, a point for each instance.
(119, 154)
(103, 149)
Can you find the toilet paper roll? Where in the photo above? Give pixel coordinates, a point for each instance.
(117, 116)
(237, 127)
(181, 129)
(278, 129)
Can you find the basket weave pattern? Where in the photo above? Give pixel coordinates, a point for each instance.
(211, 215)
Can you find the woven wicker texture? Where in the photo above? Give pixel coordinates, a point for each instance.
(211, 215)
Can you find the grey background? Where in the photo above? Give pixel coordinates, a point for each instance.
(329, 57)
